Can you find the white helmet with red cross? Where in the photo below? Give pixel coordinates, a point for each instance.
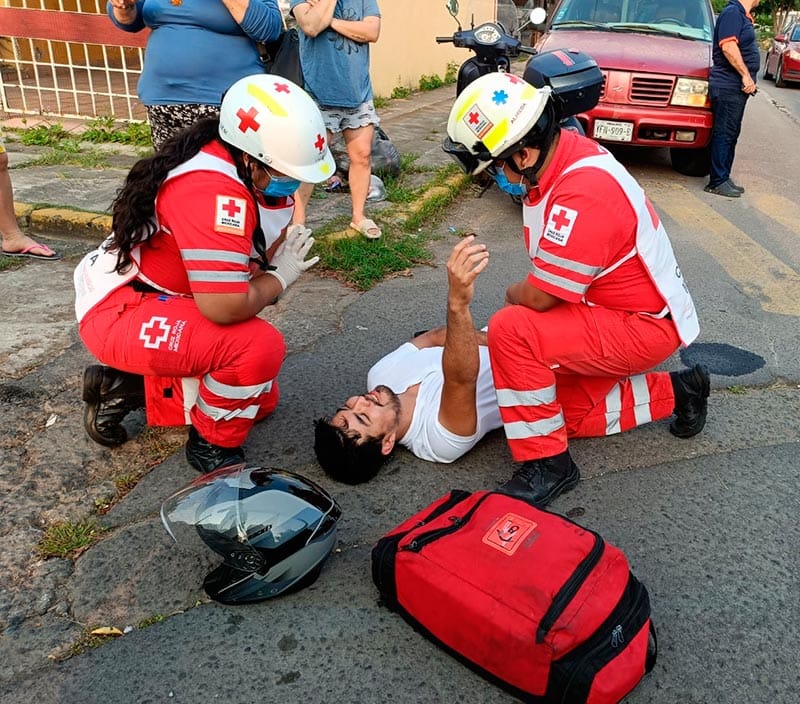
(495, 116)
(278, 123)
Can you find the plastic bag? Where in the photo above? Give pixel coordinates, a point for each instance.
(385, 157)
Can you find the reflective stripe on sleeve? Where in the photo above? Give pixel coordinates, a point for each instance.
(568, 264)
(219, 276)
(560, 281)
(214, 255)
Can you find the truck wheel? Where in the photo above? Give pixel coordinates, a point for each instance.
(767, 75)
(691, 162)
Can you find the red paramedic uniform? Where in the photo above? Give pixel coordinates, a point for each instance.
(219, 378)
(577, 370)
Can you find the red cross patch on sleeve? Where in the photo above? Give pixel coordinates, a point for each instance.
(230, 215)
(560, 222)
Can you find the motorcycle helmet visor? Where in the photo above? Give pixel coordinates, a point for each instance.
(468, 161)
(258, 520)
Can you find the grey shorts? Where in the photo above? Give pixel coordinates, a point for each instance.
(338, 119)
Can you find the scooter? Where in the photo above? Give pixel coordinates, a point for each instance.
(493, 45)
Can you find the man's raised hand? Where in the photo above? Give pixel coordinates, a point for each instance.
(467, 260)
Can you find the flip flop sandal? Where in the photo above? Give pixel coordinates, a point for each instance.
(28, 252)
(368, 228)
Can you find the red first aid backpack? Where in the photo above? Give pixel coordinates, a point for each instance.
(536, 603)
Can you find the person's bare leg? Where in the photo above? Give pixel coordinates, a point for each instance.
(13, 239)
(301, 197)
(359, 150)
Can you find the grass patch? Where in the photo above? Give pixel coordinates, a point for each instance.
(738, 390)
(379, 102)
(68, 153)
(401, 92)
(362, 263)
(158, 444)
(434, 204)
(43, 135)
(68, 540)
(430, 82)
(100, 130)
(105, 129)
(155, 445)
(150, 620)
(86, 642)
(8, 263)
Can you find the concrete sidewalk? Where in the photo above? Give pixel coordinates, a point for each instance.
(58, 200)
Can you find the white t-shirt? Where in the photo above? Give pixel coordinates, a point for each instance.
(426, 437)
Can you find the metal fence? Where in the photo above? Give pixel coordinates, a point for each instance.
(65, 58)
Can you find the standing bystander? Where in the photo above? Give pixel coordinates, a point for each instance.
(194, 52)
(16, 243)
(334, 55)
(736, 59)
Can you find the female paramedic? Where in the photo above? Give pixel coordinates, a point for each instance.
(200, 246)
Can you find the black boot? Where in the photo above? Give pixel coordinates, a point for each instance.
(540, 481)
(691, 387)
(109, 395)
(206, 457)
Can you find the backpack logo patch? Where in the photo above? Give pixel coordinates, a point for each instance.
(507, 534)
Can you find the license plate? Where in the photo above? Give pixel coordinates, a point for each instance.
(613, 131)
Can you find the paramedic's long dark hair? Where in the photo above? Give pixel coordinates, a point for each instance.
(133, 209)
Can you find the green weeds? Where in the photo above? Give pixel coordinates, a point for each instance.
(362, 263)
(106, 129)
(68, 540)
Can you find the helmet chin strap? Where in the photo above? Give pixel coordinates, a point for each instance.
(529, 172)
(544, 147)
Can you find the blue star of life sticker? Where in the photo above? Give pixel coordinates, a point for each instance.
(499, 97)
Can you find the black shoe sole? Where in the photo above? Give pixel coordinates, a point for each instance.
(92, 381)
(683, 430)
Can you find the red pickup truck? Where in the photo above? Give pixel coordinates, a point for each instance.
(655, 56)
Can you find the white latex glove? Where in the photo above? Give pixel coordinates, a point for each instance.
(290, 259)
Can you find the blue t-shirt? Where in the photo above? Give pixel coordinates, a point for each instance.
(196, 50)
(734, 22)
(335, 68)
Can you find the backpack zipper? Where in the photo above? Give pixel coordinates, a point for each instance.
(383, 563)
(640, 603)
(422, 540)
(570, 587)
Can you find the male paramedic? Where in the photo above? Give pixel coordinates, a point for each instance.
(603, 302)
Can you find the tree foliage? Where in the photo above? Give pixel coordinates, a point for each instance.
(777, 11)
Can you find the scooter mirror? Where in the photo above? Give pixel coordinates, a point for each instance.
(538, 15)
(452, 7)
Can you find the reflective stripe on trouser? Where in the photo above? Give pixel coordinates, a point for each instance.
(565, 373)
(167, 337)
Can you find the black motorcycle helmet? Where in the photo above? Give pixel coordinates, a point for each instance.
(273, 528)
